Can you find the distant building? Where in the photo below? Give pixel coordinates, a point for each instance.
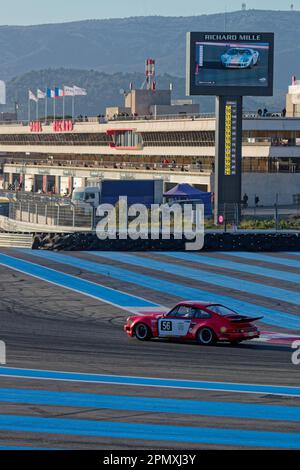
(293, 99)
(8, 117)
(178, 148)
(2, 92)
(151, 103)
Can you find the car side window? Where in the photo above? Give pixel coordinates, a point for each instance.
(184, 312)
(201, 314)
(173, 312)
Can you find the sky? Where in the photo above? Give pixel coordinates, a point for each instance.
(25, 12)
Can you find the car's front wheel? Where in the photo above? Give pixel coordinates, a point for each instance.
(142, 332)
(206, 337)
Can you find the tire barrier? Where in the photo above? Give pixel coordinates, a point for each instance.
(278, 241)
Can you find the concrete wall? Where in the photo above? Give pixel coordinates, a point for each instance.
(293, 110)
(140, 101)
(266, 186)
(180, 124)
(249, 150)
(162, 110)
(93, 174)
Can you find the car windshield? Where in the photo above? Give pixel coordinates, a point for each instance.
(221, 310)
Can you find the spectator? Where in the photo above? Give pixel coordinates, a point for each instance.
(283, 113)
(256, 201)
(199, 164)
(245, 200)
(265, 112)
(259, 113)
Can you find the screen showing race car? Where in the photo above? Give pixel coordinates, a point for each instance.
(238, 63)
(230, 64)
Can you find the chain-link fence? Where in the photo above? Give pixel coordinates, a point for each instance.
(56, 211)
(243, 217)
(51, 213)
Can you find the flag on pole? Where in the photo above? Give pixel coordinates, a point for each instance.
(58, 93)
(79, 91)
(32, 96)
(68, 91)
(50, 93)
(41, 95)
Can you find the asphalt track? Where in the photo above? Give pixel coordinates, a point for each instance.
(243, 77)
(73, 380)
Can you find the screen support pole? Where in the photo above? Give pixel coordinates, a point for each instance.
(228, 159)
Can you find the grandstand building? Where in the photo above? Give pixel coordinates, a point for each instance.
(169, 141)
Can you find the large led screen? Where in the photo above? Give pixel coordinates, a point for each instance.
(230, 63)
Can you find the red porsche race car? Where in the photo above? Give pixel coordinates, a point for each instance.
(205, 322)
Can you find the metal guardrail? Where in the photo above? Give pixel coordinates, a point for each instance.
(16, 240)
(105, 120)
(52, 213)
(49, 213)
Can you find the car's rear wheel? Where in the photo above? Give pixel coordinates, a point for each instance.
(206, 337)
(142, 332)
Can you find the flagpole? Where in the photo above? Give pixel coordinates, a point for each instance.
(46, 106)
(28, 108)
(63, 102)
(37, 110)
(73, 106)
(54, 108)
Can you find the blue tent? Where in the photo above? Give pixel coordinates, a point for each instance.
(187, 192)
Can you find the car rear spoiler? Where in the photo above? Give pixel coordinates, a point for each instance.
(245, 319)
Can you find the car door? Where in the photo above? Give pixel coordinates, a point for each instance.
(200, 318)
(177, 323)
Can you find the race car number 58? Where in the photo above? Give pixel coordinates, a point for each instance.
(166, 326)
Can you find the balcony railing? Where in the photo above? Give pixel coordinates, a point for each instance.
(101, 119)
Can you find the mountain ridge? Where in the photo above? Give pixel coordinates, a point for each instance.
(115, 45)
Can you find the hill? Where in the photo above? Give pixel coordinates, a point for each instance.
(104, 90)
(121, 45)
